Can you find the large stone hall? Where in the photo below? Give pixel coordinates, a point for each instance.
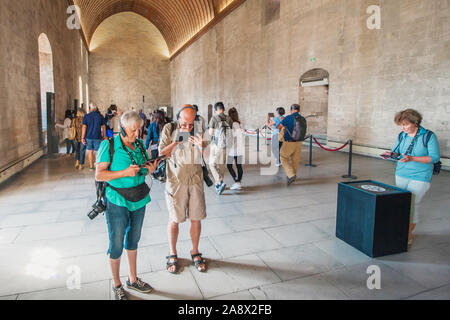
(370, 78)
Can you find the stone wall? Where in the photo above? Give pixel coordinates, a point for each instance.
(21, 23)
(129, 60)
(314, 101)
(256, 66)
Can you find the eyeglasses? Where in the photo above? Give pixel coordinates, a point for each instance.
(186, 125)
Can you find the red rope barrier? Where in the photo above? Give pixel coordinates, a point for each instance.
(267, 139)
(254, 132)
(326, 149)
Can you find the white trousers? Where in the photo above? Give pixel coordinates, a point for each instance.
(418, 190)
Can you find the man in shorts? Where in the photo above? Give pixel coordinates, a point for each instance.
(93, 133)
(185, 195)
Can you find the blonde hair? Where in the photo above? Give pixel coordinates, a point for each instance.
(81, 113)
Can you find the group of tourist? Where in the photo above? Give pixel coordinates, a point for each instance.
(85, 131)
(127, 194)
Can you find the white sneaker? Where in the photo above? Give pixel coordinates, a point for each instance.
(236, 186)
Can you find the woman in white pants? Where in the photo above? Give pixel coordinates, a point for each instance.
(417, 150)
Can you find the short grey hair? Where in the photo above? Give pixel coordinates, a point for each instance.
(130, 118)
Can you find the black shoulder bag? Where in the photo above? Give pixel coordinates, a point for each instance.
(438, 165)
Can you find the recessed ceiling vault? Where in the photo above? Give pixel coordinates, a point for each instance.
(178, 20)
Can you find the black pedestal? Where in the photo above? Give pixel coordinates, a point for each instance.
(373, 217)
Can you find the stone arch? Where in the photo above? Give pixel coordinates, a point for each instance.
(47, 82)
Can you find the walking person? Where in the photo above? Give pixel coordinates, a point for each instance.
(127, 197)
(220, 131)
(200, 119)
(154, 133)
(94, 131)
(417, 152)
(276, 143)
(293, 131)
(185, 195)
(236, 153)
(144, 118)
(79, 146)
(70, 144)
(115, 122)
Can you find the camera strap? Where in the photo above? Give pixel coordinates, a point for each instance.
(411, 146)
(136, 145)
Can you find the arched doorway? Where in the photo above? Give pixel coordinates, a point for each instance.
(313, 97)
(46, 80)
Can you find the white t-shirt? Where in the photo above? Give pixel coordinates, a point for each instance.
(66, 127)
(238, 148)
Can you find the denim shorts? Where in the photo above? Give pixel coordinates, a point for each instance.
(93, 144)
(124, 229)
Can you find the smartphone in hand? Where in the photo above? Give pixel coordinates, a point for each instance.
(385, 156)
(152, 160)
(184, 136)
(392, 155)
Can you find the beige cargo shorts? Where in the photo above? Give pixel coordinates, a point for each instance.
(185, 202)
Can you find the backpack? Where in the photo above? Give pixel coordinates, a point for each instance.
(223, 135)
(300, 127)
(426, 138)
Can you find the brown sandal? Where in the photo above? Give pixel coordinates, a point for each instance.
(172, 263)
(199, 262)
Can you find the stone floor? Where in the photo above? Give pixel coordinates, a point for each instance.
(265, 242)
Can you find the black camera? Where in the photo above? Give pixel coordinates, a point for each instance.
(160, 172)
(395, 156)
(98, 207)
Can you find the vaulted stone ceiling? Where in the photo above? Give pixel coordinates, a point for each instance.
(179, 21)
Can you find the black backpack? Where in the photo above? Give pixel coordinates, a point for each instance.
(300, 128)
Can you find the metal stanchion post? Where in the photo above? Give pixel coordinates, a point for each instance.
(310, 164)
(257, 140)
(350, 155)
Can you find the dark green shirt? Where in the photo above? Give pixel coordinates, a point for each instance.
(122, 161)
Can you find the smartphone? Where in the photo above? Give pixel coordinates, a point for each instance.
(153, 160)
(393, 155)
(184, 136)
(271, 115)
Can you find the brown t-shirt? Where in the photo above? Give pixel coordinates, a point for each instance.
(185, 165)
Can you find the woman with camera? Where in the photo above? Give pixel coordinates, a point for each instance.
(417, 152)
(123, 163)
